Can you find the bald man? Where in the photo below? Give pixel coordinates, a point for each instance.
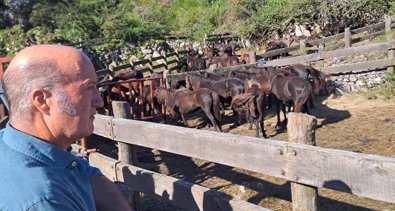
(53, 99)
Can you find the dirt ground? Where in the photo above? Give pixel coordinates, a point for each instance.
(347, 122)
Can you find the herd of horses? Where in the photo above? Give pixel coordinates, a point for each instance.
(248, 91)
(216, 55)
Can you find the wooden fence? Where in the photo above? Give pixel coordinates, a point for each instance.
(320, 57)
(348, 36)
(361, 174)
(167, 61)
(3, 110)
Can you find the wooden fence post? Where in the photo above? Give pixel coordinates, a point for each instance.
(302, 44)
(111, 71)
(150, 64)
(252, 56)
(347, 37)
(391, 50)
(301, 129)
(126, 152)
(321, 51)
(165, 60)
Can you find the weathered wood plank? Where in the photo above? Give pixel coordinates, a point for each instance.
(182, 193)
(157, 58)
(294, 60)
(319, 167)
(172, 61)
(139, 62)
(106, 165)
(374, 27)
(279, 51)
(330, 54)
(158, 66)
(122, 66)
(103, 126)
(301, 129)
(356, 50)
(376, 64)
(102, 72)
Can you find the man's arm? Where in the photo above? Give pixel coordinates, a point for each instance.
(107, 196)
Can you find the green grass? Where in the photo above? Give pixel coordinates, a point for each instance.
(384, 91)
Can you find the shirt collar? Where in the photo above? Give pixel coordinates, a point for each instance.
(38, 149)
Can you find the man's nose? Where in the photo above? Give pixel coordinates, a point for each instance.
(97, 101)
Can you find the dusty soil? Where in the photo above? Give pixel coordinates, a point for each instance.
(347, 122)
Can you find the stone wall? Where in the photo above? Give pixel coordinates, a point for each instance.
(355, 81)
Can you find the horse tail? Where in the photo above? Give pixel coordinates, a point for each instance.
(216, 106)
(319, 79)
(240, 100)
(302, 98)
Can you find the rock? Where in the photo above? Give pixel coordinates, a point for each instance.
(360, 83)
(370, 84)
(146, 51)
(378, 80)
(242, 189)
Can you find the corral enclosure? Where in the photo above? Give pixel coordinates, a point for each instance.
(196, 142)
(329, 168)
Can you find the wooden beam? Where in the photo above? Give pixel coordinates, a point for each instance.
(294, 60)
(106, 165)
(376, 64)
(330, 54)
(180, 192)
(315, 166)
(357, 50)
(301, 129)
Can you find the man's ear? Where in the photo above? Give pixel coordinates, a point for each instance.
(41, 100)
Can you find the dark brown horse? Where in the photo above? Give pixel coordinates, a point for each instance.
(290, 89)
(183, 101)
(286, 89)
(146, 94)
(223, 61)
(209, 76)
(192, 62)
(305, 72)
(220, 49)
(254, 107)
(226, 88)
(274, 45)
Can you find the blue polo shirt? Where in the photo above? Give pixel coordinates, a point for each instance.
(35, 175)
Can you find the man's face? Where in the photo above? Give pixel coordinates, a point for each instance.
(76, 103)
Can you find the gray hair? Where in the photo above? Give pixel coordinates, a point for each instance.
(65, 105)
(22, 79)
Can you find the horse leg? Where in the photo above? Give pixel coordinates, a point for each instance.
(311, 103)
(213, 120)
(250, 124)
(285, 114)
(277, 102)
(257, 127)
(261, 109)
(183, 119)
(237, 115)
(269, 101)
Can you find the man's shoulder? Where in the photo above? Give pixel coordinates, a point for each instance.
(25, 180)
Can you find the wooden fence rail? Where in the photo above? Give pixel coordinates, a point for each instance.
(375, 29)
(182, 193)
(357, 173)
(384, 47)
(164, 61)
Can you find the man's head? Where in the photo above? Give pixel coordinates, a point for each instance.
(52, 93)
